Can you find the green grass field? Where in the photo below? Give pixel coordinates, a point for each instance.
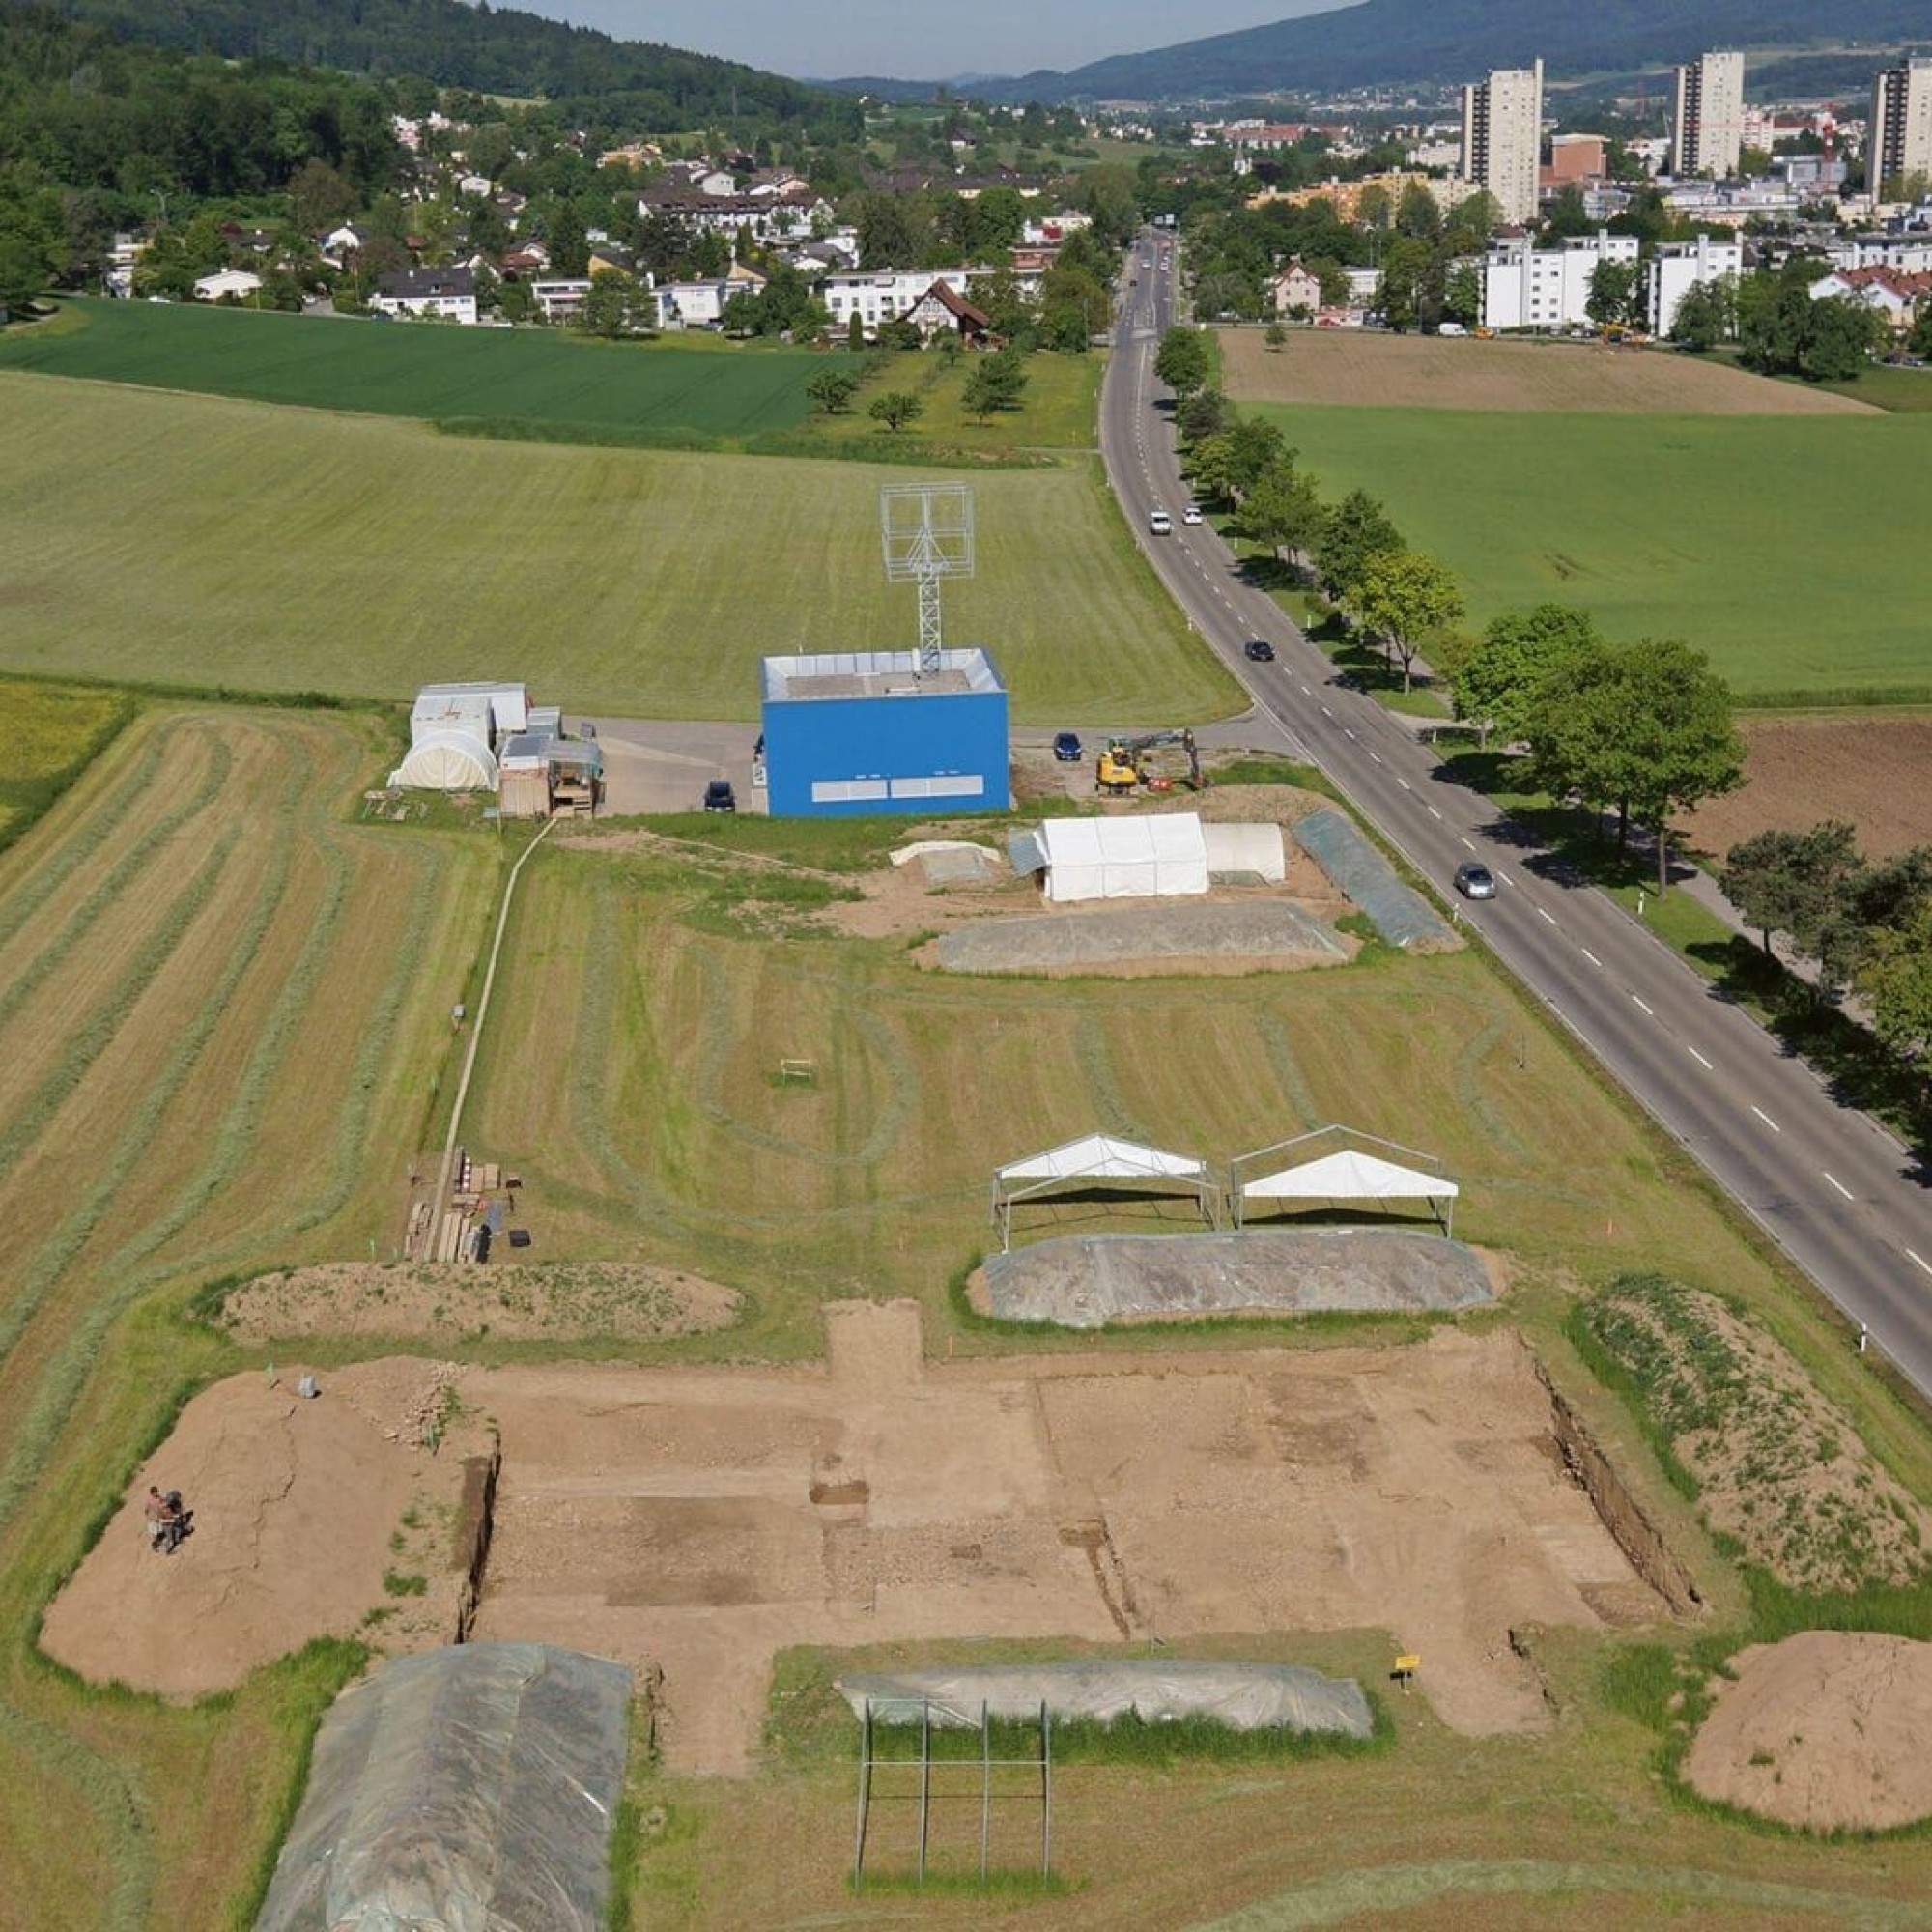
(700, 385)
(191, 540)
(1790, 549)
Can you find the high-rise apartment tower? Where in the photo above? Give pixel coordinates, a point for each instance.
(1899, 143)
(1502, 138)
(1707, 129)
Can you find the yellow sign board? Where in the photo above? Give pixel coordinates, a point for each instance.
(1408, 1665)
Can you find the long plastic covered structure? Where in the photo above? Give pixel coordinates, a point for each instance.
(473, 1787)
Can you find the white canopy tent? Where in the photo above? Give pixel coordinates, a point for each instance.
(1100, 1157)
(447, 759)
(1163, 855)
(1346, 1176)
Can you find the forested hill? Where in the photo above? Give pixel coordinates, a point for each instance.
(491, 50)
(1386, 41)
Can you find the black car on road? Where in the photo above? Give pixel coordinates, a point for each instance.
(1258, 650)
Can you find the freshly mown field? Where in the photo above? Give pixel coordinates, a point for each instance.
(1431, 372)
(223, 1012)
(1791, 550)
(53, 731)
(199, 541)
(640, 982)
(534, 377)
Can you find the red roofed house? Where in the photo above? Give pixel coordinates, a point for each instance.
(941, 310)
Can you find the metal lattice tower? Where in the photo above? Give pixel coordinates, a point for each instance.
(926, 531)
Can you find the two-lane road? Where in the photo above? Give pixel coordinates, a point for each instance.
(1838, 1193)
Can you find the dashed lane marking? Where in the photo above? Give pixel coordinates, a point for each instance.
(1591, 958)
(1700, 1060)
(1767, 1120)
(1640, 1007)
(1545, 917)
(1918, 1261)
(1838, 1184)
(1466, 846)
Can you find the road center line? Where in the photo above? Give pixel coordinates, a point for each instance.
(1326, 713)
(1545, 917)
(1375, 756)
(1838, 1184)
(1403, 784)
(1434, 813)
(1641, 1008)
(1699, 1059)
(1466, 846)
(1591, 958)
(1918, 1261)
(1767, 1120)
(1346, 733)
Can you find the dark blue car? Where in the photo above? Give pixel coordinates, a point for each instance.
(1066, 748)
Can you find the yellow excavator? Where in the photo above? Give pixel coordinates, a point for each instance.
(1124, 767)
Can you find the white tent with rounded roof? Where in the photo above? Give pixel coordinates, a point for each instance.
(1096, 1158)
(1350, 1175)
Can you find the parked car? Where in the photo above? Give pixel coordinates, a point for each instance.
(1474, 881)
(1160, 524)
(1066, 748)
(1258, 650)
(1192, 514)
(719, 797)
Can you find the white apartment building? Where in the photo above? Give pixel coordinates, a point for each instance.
(889, 293)
(1502, 138)
(1707, 126)
(1677, 266)
(561, 300)
(441, 295)
(1898, 141)
(1526, 287)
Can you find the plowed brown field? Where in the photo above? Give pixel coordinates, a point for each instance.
(1424, 372)
(1874, 772)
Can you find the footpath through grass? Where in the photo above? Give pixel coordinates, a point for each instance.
(1788, 547)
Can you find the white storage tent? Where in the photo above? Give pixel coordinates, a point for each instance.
(447, 759)
(1161, 856)
(1100, 1157)
(1348, 1175)
(1252, 851)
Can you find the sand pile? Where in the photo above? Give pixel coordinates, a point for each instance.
(1825, 1730)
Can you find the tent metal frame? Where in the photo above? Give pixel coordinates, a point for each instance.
(1205, 1188)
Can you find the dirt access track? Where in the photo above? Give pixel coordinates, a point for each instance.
(700, 1519)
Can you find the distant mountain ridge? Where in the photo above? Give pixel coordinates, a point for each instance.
(1387, 43)
(490, 50)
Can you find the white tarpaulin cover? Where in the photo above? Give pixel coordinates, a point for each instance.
(1253, 851)
(1101, 1157)
(1161, 856)
(1349, 1176)
(1243, 1696)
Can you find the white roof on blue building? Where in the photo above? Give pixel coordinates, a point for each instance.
(828, 674)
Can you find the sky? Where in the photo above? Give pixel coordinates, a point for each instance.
(919, 40)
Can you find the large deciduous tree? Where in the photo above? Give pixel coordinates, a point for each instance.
(1406, 597)
(1792, 882)
(1182, 360)
(1352, 532)
(1643, 727)
(1495, 684)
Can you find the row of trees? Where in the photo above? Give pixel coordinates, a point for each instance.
(1866, 924)
(1644, 729)
(1783, 329)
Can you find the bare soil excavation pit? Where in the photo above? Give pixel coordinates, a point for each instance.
(299, 1513)
(667, 1517)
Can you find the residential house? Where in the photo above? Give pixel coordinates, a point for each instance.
(447, 294)
(882, 295)
(473, 184)
(1049, 231)
(340, 243)
(1892, 293)
(561, 301)
(236, 283)
(527, 259)
(692, 304)
(610, 255)
(1296, 290)
(941, 310)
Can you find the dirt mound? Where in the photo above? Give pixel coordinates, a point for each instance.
(424, 1301)
(309, 1515)
(1825, 1730)
(1778, 1466)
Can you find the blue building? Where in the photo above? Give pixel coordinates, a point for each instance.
(855, 733)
